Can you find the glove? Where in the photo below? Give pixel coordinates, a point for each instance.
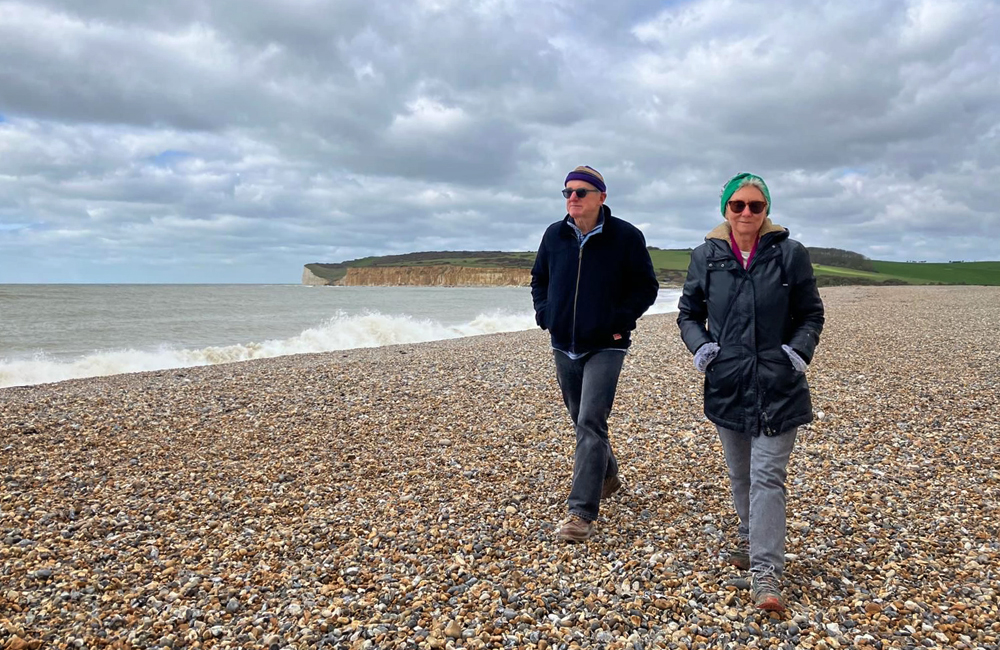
(705, 355)
(797, 362)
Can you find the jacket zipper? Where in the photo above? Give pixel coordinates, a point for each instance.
(764, 420)
(576, 292)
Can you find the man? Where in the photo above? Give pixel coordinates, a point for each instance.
(591, 281)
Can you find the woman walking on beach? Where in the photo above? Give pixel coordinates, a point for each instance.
(752, 315)
(591, 281)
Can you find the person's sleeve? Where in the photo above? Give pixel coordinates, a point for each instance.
(540, 284)
(692, 308)
(806, 306)
(642, 284)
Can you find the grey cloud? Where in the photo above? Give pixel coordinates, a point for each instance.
(265, 135)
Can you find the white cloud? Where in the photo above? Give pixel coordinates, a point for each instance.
(426, 117)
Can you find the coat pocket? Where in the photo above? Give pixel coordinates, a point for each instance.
(723, 382)
(784, 388)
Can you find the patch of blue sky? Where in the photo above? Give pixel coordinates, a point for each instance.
(169, 157)
(853, 171)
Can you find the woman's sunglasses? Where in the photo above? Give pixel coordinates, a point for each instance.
(580, 192)
(755, 206)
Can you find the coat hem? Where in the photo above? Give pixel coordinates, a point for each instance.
(783, 427)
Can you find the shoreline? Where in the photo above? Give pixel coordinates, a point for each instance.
(406, 496)
(353, 320)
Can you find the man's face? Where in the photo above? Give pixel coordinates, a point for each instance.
(586, 207)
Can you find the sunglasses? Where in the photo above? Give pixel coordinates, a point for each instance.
(580, 192)
(755, 206)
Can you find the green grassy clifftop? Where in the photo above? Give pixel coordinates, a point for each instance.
(833, 267)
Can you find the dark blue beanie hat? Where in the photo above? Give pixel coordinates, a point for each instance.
(587, 175)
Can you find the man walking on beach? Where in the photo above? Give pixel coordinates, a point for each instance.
(591, 281)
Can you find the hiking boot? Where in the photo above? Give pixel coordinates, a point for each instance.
(576, 529)
(767, 593)
(739, 557)
(611, 485)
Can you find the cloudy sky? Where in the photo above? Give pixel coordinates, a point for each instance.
(200, 141)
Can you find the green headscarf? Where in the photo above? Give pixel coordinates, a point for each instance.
(738, 181)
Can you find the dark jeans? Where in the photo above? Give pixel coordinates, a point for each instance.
(588, 386)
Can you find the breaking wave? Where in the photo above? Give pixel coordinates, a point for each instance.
(342, 332)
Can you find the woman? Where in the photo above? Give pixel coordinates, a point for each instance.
(751, 314)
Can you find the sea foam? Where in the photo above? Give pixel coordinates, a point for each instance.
(341, 332)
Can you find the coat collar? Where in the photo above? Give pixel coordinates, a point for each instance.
(603, 219)
(723, 230)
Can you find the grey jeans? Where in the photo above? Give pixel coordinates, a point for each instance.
(757, 470)
(588, 387)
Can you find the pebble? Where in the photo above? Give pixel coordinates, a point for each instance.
(407, 496)
(453, 630)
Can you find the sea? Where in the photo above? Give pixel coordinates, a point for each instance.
(51, 332)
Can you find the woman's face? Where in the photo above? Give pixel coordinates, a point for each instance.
(745, 224)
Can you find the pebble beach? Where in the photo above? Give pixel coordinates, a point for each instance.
(408, 496)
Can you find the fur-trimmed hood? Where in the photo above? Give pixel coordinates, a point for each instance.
(723, 230)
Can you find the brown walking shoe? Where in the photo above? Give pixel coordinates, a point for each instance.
(739, 557)
(767, 593)
(575, 529)
(611, 485)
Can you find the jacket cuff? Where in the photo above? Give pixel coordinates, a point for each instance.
(804, 345)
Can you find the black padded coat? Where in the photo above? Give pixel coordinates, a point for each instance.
(751, 385)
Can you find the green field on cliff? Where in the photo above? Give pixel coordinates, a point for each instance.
(833, 266)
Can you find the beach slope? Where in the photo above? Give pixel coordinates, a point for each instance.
(407, 497)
